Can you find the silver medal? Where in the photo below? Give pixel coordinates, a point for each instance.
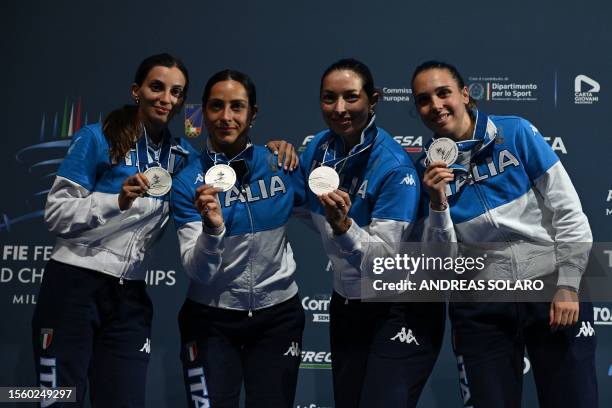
(323, 180)
(160, 181)
(221, 176)
(443, 149)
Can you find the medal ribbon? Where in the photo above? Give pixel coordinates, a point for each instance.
(370, 131)
(142, 153)
(214, 158)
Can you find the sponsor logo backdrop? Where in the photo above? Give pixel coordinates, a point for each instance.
(68, 63)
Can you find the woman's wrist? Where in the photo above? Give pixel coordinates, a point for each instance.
(342, 227)
(439, 206)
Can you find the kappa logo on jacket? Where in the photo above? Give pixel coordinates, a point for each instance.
(405, 337)
(294, 350)
(586, 330)
(408, 180)
(146, 347)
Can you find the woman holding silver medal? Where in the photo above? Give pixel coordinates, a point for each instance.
(107, 205)
(363, 198)
(493, 179)
(242, 321)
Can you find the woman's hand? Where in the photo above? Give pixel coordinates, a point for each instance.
(133, 187)
(285, 152)
(564, 308)
(207, 204)
(337, 205)
(436, 177)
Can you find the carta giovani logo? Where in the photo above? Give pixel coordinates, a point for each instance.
(585, 90)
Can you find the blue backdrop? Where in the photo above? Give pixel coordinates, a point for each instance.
(68, 63)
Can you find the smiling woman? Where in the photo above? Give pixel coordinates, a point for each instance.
(107, 206)
(159, 95)
(363, 204)
(242, 321)
(508, 186)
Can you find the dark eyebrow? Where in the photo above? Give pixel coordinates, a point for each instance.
(329, 91)
(435, 90)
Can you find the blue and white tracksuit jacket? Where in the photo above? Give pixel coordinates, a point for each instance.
(512, 189)
(249, 265)
(384, 189)
(83, 210)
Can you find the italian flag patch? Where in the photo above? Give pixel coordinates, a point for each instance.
(192, 351)
(46, 336)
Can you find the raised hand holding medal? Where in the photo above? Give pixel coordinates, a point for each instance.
(207, 204)
(442, 153)
(153, 164)
(221, 176)
(443, 149)
(323, 180)
(160, 181)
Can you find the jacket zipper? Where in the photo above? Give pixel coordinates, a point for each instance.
(132, 241)
(495, 224)
(246, 204)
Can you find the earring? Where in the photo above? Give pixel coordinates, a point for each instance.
(137, 100)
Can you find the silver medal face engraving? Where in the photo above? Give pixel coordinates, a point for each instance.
(443, 149)
(323, 180)
(160, 181)
(220, 176)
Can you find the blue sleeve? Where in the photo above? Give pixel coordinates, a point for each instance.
(398, 197)
(535, 154)
(84, 155)
(185, 144)
(181, 204)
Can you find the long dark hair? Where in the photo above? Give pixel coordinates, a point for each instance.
(231, 75)
(433, 64)
(121, 126)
